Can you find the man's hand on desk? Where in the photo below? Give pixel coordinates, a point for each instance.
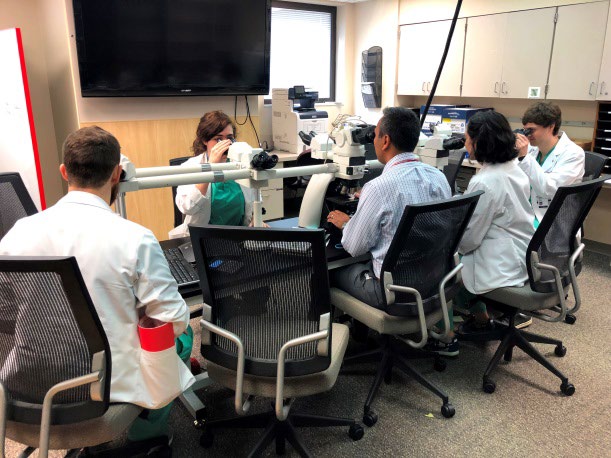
(338, 219)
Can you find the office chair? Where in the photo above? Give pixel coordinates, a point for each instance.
(266, 327)
(451, 170)
(420, 273)
(55, 376)
(15, 201)
(178, 216)
(553, 260)
(594, 165)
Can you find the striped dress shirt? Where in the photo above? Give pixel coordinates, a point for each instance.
(404, 181)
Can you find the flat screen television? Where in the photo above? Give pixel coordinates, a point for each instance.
(131, 48)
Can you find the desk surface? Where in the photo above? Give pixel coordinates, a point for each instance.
(285, 156)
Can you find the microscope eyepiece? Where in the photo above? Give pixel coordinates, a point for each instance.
(364, 135)
(525, 132)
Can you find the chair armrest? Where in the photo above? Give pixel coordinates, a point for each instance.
(455, 272)
(45, 421)
(560, 291)
(240, 407)
(282, 411)
(421, 317)
(577, 254)
(3, 412)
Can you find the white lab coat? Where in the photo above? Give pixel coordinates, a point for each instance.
(197, 208)
(126, 275)
(494, 244)
(564, 166)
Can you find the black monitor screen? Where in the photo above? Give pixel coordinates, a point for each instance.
(172, 47)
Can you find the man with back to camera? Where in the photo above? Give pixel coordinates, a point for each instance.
(550, 160)
(121, 262)
(404, 181)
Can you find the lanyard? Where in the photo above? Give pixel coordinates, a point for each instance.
(404, 161)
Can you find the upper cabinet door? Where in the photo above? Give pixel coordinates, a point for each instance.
(604, 78)
(578, 47)
(528, 47)
(420, 49)
(484, 56)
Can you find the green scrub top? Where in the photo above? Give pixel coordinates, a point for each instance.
(227, 204)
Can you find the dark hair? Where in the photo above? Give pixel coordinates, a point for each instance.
(90, 156)
(402, 126)
(544, 114)
(493, 140)
(210, 125)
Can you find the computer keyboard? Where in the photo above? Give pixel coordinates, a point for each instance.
(182, 271)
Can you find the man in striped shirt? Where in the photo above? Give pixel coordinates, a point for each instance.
(404, 181)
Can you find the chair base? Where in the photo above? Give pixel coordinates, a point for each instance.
(280, 431)
(511, 337)
(393, 354)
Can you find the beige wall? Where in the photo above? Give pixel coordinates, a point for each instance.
(412, 11)
(376, 24)
(29, 17)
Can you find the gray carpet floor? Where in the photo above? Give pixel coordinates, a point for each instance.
(526, 415)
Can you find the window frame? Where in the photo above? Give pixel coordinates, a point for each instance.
(333, 64)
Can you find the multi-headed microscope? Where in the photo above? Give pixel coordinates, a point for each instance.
(252, 167)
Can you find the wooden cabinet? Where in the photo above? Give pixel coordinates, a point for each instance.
(578, 50)
(506, 54)
(604, 77)
(420, 49)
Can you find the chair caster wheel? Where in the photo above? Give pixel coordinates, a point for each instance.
(439, 365)
(489, 386)
(356, 432)
(447, 410)
(560, 350)
(206, 439)
(370, 418)
(570, 318)
(567, 388)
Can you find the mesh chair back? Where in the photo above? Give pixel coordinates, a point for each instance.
(49, 332)
(267, 286)
(422, 251)
(555, 239)
(594, 165)
(178, 216)
(15, 201)
(450, 171)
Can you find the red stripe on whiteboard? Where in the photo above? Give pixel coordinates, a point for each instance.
(28, 103)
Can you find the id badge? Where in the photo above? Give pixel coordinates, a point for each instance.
(542, 202)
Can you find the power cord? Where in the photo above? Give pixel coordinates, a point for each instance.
(248, 117)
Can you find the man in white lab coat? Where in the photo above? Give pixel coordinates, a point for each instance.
(547, 155)
(121, 262)
(550, 160)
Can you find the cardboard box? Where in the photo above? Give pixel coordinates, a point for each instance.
(435, 115)
(458, 117)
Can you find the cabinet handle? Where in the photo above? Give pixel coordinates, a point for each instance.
(603, 88)
(503, 91)
(428, 86)
(590, 91)
(423, 83)
(496, 87)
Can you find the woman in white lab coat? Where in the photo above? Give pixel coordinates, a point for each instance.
(224, 203)
(493, 247)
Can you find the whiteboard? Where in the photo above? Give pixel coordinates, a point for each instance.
(18, 148)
